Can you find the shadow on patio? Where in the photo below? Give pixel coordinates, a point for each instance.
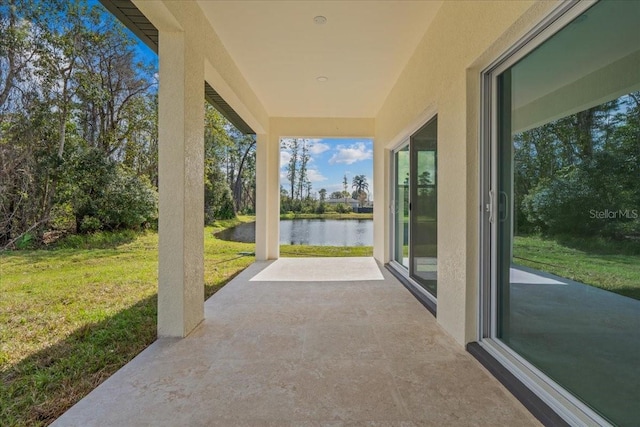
(305, 342)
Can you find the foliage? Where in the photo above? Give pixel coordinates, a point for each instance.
(342, 208)
(297, 197)
(218, 203)
(578, 175)
(105, 195)
(78, 128)
(75, 105)
(229, 168)
(361, 189)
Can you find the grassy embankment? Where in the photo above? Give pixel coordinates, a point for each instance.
(609, 265)
(73, 314)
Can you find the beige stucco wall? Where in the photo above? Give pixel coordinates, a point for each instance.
(443, 77)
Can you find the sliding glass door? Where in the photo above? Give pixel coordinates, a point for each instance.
(416, 209)
(563, 245)
(424, 207)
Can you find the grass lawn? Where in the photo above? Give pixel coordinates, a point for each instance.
(613, 266)
(296, 251)
(71, 316)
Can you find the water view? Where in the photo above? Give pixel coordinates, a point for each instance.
(315, 232)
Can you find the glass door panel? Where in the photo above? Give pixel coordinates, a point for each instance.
(567, 226)
(424, 207)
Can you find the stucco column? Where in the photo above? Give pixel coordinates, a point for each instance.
(267, 197)
(382, 202)
(181, 184)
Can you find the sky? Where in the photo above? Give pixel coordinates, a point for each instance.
(331, 159)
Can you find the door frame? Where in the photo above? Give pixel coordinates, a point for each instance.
(405, 272)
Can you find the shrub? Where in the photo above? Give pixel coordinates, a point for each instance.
(102, 195)
(342, 208)
(218, 202)
(129, 203)
(90, 224)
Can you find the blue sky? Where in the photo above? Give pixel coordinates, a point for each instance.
(331, 159)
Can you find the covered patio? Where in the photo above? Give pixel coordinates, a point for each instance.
(305, 342)
(293, 342)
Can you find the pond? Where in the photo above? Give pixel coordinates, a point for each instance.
(315, 232)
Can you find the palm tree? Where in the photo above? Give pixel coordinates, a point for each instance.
(360, 185)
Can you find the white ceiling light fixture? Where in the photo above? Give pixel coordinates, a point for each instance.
(322, 79)
(320, 20)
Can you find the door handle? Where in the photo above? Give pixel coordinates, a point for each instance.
(491, 208)
(504, 212)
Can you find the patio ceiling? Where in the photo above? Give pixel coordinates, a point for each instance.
(362, 49)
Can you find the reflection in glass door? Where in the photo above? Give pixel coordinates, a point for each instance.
(424, 202)
(415, 207)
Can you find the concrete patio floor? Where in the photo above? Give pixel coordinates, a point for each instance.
(325, 349)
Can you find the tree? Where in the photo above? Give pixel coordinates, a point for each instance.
(70, 85)
(292, 146)
(583, 163)
(16, 49)
(359, 183)
(303, 180)
(345, 185)
(323, 194)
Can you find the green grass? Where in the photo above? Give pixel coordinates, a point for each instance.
(330, 215)
(295, 251)
(72, 315)
(610, 265)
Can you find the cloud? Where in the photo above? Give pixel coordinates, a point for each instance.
(319, 148)
(315, 176)
(285, 156)
(351, 154)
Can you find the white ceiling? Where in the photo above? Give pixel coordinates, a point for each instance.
(362, 49)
